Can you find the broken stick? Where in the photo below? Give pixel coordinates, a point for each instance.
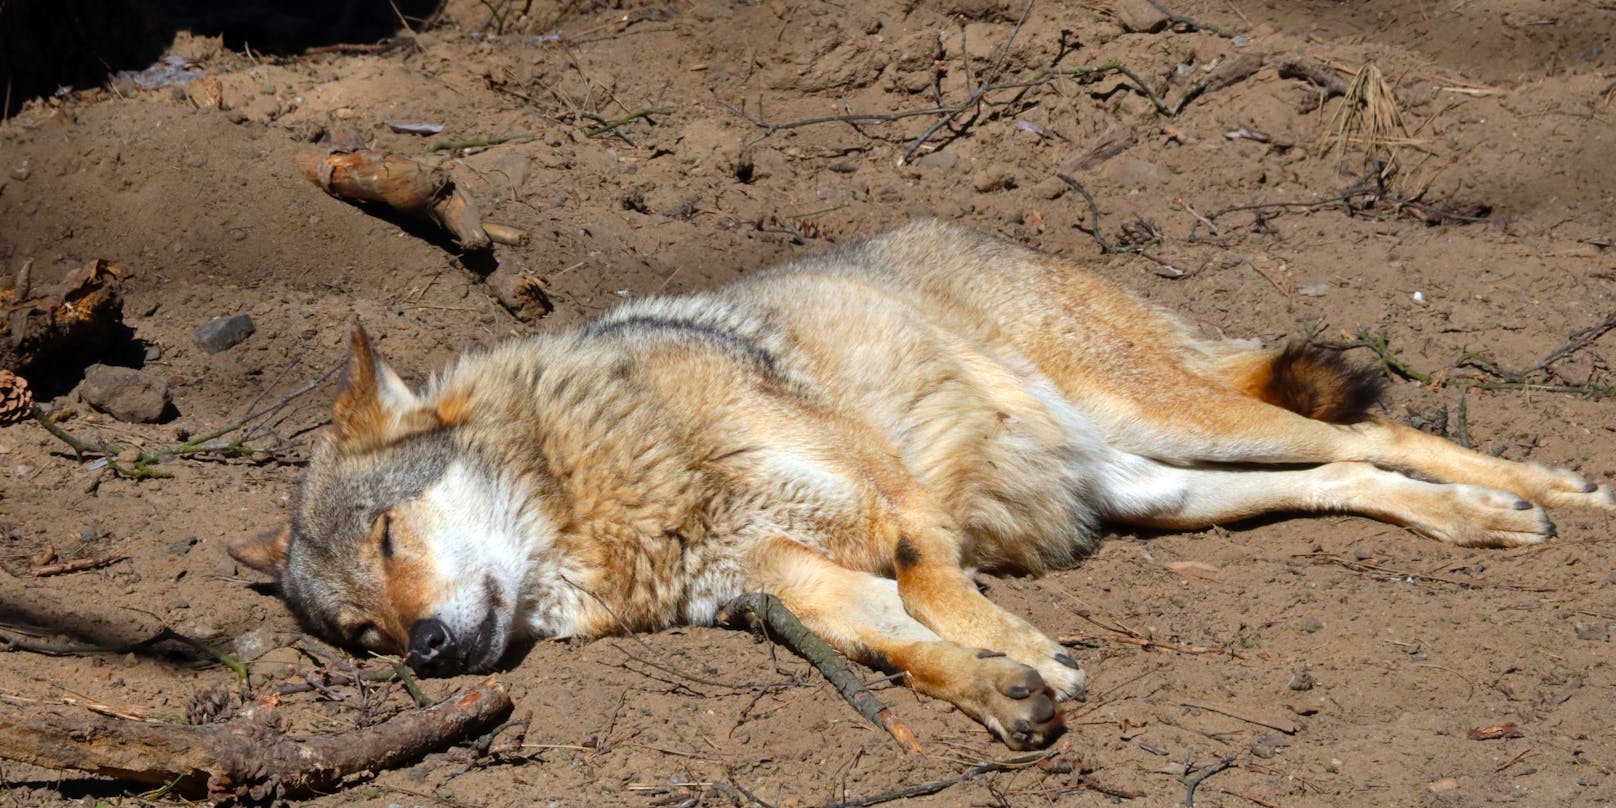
(245, 758)
(761, 612)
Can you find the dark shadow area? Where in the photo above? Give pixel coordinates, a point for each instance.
(28, 627)
(46, 45)
(282, 27)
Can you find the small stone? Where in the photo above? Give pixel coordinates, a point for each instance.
(1269, 745)
(1597, 632)
(253, 644)
(1362, 555)
(277, 663)
(22, 170)
(943, 161)
(238, 234)
(126, 394)
(1139, 16)
(993, 179)
(1049, 188)
(1311, 625)
(1302, 680)
(223, 333)
(152, 352)
(1443, 784)
(182, 546)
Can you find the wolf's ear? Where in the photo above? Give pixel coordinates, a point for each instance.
(265, 552)
(377, 408)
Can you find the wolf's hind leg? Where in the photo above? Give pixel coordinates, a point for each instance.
(861, 616)
(1143, 492)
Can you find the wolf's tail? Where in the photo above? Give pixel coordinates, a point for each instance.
(1316, 383)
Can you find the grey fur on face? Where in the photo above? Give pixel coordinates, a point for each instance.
(337, 505)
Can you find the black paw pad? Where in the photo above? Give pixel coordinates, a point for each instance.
(1066, 659)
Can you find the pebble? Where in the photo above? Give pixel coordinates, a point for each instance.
(993, 179)
(182, 546)
(1312, 625)
(22, 170)
(1139, 16)
(253, 644)
(1443, 784)
(1302, 680)
(126, 394)
(223, 333)
(1597, 632)
(943, 161)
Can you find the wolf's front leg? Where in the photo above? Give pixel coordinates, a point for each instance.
(861, 616)
(935, 591)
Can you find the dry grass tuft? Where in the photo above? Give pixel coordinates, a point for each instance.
(1369, 121)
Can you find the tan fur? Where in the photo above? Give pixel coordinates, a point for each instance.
(852, 433)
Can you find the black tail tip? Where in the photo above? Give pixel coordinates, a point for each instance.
(1319, 384)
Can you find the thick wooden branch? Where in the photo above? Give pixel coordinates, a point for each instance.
(406, 186)
(75, 317)
(246, 758)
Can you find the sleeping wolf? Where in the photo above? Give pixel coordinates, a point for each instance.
(853, 433)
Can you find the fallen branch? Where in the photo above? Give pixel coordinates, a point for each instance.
(1193, 780)
(1233, 71)
(1196, 25)
(245, 758)
(766, 615)
(933, 787)
(77, 565)
(1287, 728)
(608, 126)
(1147, 644)
(405, 186)
(1388, 573)
(77, 316)
(478, 143)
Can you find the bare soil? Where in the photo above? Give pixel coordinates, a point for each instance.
(1338, 661)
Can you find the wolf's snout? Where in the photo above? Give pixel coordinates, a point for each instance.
(431, 645)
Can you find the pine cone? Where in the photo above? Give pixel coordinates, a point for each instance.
(206, 705)
(15, 400)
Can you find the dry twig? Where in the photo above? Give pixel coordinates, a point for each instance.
(765, 614)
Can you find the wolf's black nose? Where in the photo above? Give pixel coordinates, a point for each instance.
(430, 644)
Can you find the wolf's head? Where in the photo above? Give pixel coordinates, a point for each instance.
(401, 540)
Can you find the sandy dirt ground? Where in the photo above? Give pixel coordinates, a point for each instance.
(662, 147)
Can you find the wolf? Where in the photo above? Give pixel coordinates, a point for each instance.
(855, 433)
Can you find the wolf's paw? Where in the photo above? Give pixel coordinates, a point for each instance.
(1064, 675)
(1572, 490)
(1019, 707)
(1487, 517)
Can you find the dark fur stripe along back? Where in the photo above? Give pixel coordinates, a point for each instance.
(1321, 385)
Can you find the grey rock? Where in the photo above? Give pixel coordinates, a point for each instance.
(223, 333)
(125, 393)
(1302, 681)
(943, 162)
(254, 644)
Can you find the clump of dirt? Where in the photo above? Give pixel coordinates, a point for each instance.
(648, 148)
